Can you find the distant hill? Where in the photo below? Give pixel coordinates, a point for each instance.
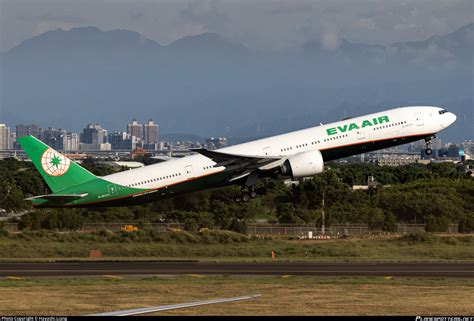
(210, 85)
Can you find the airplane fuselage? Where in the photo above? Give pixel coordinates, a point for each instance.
(197, 172)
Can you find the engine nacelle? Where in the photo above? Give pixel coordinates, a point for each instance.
(304, 164)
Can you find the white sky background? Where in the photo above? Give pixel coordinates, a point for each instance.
(259, 24)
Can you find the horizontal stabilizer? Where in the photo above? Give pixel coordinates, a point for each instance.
(58, 197)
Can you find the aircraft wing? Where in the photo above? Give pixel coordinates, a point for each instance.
(58, 197)
(241, 161)
(173, 306)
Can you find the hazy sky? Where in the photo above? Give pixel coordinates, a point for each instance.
(260, 24)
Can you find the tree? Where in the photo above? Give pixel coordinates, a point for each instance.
(466, 225)
(11, 198)
(390, 223)
(375, 218)
(437, 224)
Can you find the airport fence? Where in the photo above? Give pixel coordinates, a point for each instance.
(277, 229)
(333, 230)
(336, 230)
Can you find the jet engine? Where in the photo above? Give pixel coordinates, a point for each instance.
(304, 164)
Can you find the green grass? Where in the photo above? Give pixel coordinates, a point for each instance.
(213, 279)
(293, 295)
(228, 246)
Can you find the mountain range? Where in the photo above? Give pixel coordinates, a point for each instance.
(210, 85)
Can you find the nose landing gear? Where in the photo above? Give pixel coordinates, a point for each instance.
(428, 150)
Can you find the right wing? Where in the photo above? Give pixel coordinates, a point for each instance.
(242, 165)
(240, 161)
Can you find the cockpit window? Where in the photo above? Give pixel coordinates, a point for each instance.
(443, 111)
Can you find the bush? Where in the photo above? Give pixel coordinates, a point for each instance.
(375, 218)
(466, 225)
(417, 237)
(390, 223)
(107, 234)
(238, 226)
(437, 224)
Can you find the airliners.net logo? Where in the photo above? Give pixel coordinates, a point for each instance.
(419, 318)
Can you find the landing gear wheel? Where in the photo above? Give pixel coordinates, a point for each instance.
(253, 194)
(428, 151)
(245, 197)
(237, 199)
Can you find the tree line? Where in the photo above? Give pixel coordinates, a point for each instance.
(436, 194)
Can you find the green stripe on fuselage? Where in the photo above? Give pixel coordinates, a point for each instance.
(100, 195)
(98, 190)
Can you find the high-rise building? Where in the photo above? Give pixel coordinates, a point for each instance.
(468, 146)
(92, 137)
(72, 142)
(150, 132)
(121, 141)
(93, 134)
(135, 129)
(5, 137)
(55, 138)
(453, 150)
(25, 130)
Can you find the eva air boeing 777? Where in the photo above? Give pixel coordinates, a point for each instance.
(296, 154)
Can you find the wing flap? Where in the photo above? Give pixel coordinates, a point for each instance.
(243, 161)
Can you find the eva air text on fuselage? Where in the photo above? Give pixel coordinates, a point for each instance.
(348, 127)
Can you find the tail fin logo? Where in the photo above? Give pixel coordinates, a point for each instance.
(54, 164)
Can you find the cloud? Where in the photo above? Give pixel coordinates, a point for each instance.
(51, 17)
(44, 26)
(136, 15)
(330, 40)
(292, 9)
(204, 14)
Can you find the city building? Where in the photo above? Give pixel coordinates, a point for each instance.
(55, 138)
(92, 137)
(150, 133)
(5, 137)
(72, 142)
(450, 151)
(135, 129)
(468, 147)
(123, 141)
(216, 142)
(396, 161)
(26, 130)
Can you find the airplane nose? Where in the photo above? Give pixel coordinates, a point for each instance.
(451, 118)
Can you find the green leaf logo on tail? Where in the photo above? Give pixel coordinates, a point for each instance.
(54, 164)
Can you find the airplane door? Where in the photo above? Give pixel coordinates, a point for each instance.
(360, 134)
(418, 119)
(189, 171)
(267, 151)
(112, 189)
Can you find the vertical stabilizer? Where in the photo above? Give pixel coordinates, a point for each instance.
(58, 171)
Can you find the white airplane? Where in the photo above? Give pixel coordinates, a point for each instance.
(296, 154)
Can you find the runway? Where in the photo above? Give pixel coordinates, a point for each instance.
(71, 269)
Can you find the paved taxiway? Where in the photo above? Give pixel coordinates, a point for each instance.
(67, 269)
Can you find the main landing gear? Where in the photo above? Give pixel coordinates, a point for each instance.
(428, 150)
(248, 193)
